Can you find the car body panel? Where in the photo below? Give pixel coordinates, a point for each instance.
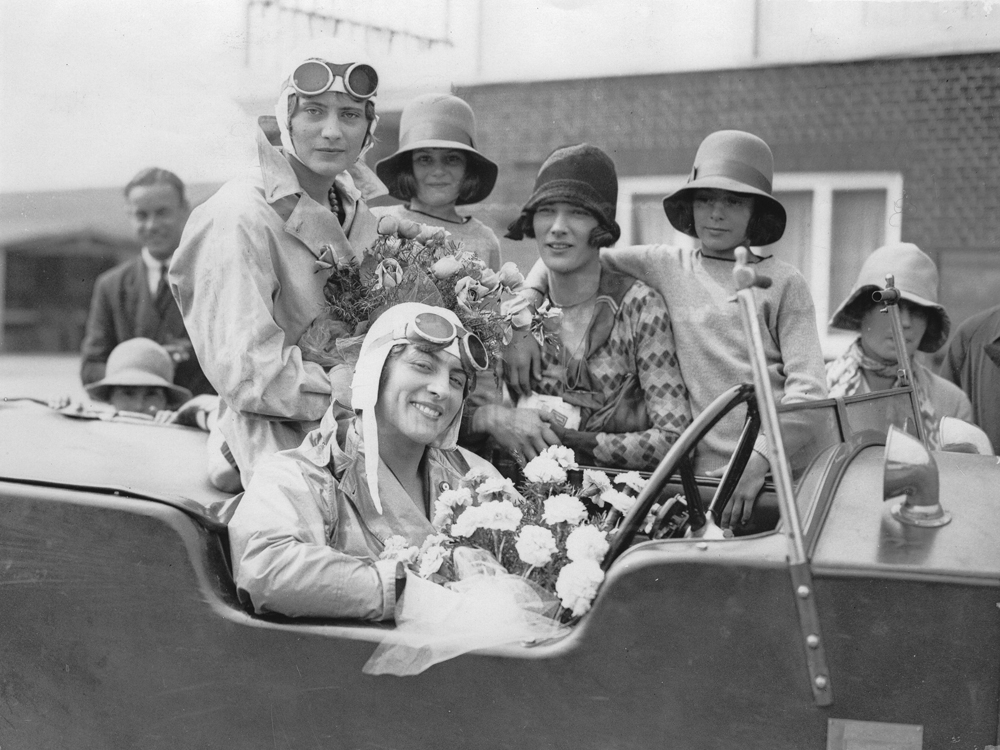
(121, 627)
(164, 463)
(860, 534)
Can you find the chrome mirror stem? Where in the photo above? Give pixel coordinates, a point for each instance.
(746, 279)
(890, 297)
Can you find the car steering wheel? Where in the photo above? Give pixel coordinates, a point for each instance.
(679, 455)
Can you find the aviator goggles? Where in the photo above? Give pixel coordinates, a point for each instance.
(436, 329)
(315, 77)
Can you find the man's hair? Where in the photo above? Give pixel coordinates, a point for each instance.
(157, 176)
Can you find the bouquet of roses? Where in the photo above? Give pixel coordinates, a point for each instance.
(411, 262)
(552, 532)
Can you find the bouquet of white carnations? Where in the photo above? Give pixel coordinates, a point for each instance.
(553, 532)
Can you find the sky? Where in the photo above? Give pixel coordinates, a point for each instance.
(91, 91)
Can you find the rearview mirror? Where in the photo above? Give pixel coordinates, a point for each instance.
(911, 473)
(958, 436)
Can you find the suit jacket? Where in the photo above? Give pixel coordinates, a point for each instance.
(123, 308)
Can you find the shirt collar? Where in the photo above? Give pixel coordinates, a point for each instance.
(752, 257)
(151, 263)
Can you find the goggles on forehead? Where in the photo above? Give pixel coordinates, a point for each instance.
(437, 329)
(315, 77)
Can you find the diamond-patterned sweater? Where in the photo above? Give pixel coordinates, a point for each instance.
(641, 342)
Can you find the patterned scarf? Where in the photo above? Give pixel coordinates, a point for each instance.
(844, 378)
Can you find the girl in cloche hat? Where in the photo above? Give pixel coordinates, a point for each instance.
(726, 203)
(870, 362)
(609, 386)
(437, 168)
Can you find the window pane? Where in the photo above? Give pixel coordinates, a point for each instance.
(858, 229)
(795, 245)
(650, 224)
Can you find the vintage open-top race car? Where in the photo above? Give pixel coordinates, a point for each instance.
(867, 617)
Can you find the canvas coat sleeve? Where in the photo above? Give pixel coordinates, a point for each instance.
(282, 559)
(235, 280)
(306, 537)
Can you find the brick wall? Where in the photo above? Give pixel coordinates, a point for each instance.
(936, 120)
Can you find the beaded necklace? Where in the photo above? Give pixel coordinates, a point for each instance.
(335, 204)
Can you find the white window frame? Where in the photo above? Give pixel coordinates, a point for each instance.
(822, 185)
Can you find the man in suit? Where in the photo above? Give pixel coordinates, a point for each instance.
(133, 299)
(972, 362)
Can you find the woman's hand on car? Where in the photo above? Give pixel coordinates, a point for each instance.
(740, 506)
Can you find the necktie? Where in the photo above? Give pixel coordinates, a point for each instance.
(163, 297)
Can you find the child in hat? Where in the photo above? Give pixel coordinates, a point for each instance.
(437, 168)
(139, 380)
(726, 203)
(870, 362)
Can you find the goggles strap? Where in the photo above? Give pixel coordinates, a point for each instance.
(455, 349)
(457, 344)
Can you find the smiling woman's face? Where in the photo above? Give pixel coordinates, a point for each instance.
(328, 131)
(420, 395)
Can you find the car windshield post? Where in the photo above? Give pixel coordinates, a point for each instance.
(890, 297)
(746, 279)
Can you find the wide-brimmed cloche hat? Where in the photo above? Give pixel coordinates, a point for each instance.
(741, 163)
(140, 362)
(582, 175)
(916, 278)
(438, 121)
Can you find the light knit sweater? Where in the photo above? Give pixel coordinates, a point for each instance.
(472, 234)
(708, 332)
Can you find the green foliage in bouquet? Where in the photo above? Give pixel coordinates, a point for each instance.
(411, 262)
